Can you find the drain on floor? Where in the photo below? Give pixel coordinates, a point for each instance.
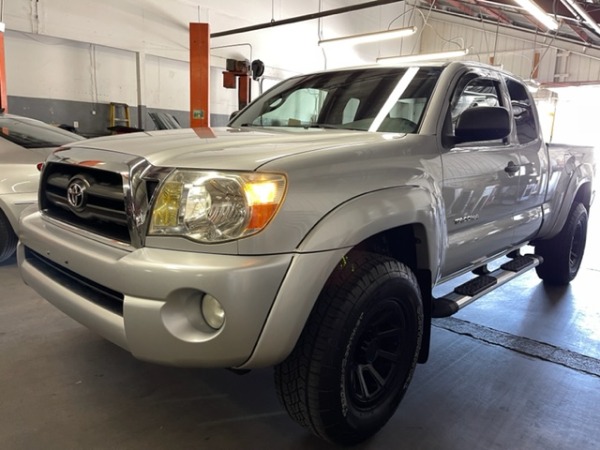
(526, 346)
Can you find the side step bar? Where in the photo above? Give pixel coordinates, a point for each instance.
(485, 282)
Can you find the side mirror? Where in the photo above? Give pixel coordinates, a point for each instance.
(482, 123)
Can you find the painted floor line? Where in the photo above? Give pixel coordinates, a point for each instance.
(526, 346)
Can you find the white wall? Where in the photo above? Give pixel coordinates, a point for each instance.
(86, 50)
(43, 67)
(167, 83)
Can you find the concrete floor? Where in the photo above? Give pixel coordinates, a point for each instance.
(519, 369)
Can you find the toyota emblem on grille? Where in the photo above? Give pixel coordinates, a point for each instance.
(77, 193)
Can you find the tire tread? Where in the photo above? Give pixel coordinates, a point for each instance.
(296, 378)
(555, 270)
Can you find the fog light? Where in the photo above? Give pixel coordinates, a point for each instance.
(212, 312)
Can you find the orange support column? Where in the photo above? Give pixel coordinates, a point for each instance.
(3, 95)
(199, 74)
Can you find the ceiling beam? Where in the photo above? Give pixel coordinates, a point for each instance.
(582, 34)
(458, 4)
(464, 8)
(501, 17)
(582, 16)
(558, 8)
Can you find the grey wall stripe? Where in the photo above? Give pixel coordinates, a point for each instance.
(92, 118)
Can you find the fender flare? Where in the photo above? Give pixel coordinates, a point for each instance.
(322, 249)
(369, 214)
(581, 175)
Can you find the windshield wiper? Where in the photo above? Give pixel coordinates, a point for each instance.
(327, 126)
(322, 125)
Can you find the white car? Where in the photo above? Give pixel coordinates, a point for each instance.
(24, 143)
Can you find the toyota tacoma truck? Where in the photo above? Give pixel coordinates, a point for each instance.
(310, 233)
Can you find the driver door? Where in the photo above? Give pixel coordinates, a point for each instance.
(479, 186)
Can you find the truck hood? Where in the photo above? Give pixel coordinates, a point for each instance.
(227, 148)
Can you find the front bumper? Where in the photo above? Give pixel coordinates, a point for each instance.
(160, 319)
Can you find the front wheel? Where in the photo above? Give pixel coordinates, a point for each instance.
(358, 351)
(564, 252)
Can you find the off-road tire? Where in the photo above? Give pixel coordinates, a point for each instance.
(8, 238)
(358, 351)
(564, 252)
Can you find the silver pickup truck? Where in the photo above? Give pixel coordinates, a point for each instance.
(310, 234)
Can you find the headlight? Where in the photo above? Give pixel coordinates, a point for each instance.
(216, 206)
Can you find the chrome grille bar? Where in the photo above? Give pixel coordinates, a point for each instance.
(110, 198)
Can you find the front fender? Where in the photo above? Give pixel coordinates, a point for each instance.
(322, 249)
(367, 215)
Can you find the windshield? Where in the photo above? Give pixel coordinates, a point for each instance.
(374, 99)
(31, 133)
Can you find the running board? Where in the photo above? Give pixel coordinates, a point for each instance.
(485, 282)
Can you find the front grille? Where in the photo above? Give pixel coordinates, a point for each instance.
(101, 194)
(88, 289)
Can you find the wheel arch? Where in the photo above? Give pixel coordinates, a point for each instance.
(408, 244)
(585, 195)
(403, 223)
(581, 192)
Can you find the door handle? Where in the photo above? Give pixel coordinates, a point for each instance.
(512, 168)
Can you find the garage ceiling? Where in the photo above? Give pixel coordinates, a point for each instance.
(508, 13)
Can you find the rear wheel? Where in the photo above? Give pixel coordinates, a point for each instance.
(8, 238)
(358, 351)
(564, 252)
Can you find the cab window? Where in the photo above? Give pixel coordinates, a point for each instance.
(523, 113)
(472, 92)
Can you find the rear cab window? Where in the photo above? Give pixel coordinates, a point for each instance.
(523, 111)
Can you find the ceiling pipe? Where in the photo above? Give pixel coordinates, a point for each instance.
(304, 18)
(578, 11)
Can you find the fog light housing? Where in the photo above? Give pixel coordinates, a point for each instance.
(212, 311)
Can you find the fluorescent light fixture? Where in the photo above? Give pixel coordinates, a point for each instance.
(423, 57)
(393, 98)
(578, 10)
(371, 37)
(539, 14)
